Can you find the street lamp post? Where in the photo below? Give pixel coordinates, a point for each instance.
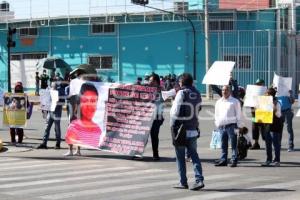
(144, 2)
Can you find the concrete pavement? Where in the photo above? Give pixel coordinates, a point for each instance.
(28, 173)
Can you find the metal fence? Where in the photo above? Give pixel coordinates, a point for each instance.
(260, 54)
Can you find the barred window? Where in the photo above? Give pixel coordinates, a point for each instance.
(102, 28)
(242, 61)
(101, 62)
(221, 25)
(28, 32)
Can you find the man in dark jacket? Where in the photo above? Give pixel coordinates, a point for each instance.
(184, 128)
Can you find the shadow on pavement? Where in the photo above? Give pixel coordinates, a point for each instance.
(250, 190)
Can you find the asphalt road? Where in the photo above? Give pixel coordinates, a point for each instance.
(30, 174)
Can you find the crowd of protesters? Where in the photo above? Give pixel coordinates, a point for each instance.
(184, 129)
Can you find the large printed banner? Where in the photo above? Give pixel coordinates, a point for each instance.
(129, 119)
(283, 85)
(219, 73)
(112, 117)
(252, 93)
(14, 110)
(264, 110)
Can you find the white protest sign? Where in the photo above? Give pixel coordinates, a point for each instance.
(252, 92)
(54, 99)
(45, 99)
(167, 94)
(219, 73)
(283, 85)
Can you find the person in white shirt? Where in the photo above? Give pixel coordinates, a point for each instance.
(227, 119)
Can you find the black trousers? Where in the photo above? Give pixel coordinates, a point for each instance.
(14, 132)
(154, 132)
(256, 129)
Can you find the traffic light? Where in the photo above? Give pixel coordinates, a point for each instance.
(10, 33)
(140, 2)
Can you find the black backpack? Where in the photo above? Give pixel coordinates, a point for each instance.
(242, 146)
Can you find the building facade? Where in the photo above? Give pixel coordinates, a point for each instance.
(124, 46)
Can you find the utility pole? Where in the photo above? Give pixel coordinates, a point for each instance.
(145, 2)
(10, 44)
(207, 61)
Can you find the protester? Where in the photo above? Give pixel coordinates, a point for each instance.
(83, 131)
(233, 87)
(44, 80)
(154, 81)
(37, 83)
(227, 119)
(184, 129)
(54, 117)
(273, 131)
(139, 81)
(257, 128)
(286, 103)
(17, 131)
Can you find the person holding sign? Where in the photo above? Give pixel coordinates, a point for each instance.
(227, 119)
(273, 131)
(184, 129)
(54, 116)
(257, 128)
(16, 104)
(83, 131)
(154, 81)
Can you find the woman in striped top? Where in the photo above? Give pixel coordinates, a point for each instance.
(83, 131)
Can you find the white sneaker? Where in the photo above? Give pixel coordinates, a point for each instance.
(69, 153)
(276, 164)
(77, 153)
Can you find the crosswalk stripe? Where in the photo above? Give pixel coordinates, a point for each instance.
(4, 164)
(23, 184)
(171, 191)
(103, 190)
(106, 182)
(5, 159)
(65, 173)
(90, 184)
(126, 187)
(33, 166)
(44, 170)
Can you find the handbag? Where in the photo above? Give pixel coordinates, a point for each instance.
(179, 135)
(216, 141)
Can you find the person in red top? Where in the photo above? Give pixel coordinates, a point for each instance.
(83, 131)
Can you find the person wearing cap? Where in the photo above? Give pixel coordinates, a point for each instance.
(257, 128)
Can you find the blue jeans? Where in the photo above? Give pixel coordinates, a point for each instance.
(191, 145)
(226, 133)
(272, 137)
(288, 116)
(53, 117)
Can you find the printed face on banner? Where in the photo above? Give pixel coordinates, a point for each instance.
(88, 105)
(14, 111)
(85, 131)
(113, 117)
